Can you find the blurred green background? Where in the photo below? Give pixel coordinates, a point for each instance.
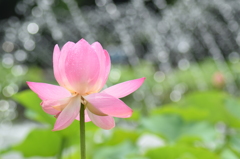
(188, 107)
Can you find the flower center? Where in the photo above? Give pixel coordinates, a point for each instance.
(74, 93)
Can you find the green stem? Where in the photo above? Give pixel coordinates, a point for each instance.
(82, 133)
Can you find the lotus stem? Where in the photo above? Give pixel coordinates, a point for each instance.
(82, 133)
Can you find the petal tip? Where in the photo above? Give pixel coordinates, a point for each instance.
(129, 114)
(54, 129)
(82, 41)
(67, 46)
(57, 127)
(111, 126)
(96, 43)
(56, 47)
(143, 78)
(29, 83)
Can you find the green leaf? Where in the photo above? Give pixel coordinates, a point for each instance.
(119, 151)
(187, 113)
(34, 74)
(32, 102)
(189, 140)
(228, 154)
(135, 116)
(180, 152)
(71, 130)
(233, 107)
(169, 126)
(234, 142)
(40, 142)
(212, 102)
(120, 135)
(204, 130)
(172, 127)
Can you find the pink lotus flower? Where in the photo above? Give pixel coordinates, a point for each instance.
(82, 70)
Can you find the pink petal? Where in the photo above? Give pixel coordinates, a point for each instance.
(51, 110)
(69, 113)
(109, 105)
(53, 107)
(48, 91)
(87, 119)
(59, 59)
(123, 89)
(57, 73)
(94, 110)
(82, 67)
(104, 122)
(105, 65)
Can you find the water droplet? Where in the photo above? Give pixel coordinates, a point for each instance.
(4, 105)
(20, 55)
(138, 96)
(163, 57)
(19, 70)
(7, 61)
(159, 76)
(183, 47)
(111, 8)
(234, 57)
(29, 45)
(37, 12)
(32, 28)
(183, 64)
(9, 90)
(12, 105)
(57, 34)
(115, 75)
(6, 124)
(8, 46)
(100, 3)
(175, 95)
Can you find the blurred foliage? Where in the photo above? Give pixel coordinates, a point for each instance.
(203, 124)
(159, 85)
(16, 77)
